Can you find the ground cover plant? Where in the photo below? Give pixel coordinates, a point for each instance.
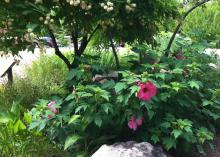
(16, 140)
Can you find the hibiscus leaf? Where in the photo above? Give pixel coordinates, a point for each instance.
(155, 139)
(150, 114)
(176, 133)
(195, 84)
(207, 102)
(70, 140)
(134, 89)
(98, 121)
(119, 87)
(73, 118)
(169, 143)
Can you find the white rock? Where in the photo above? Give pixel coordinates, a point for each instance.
(130, 149)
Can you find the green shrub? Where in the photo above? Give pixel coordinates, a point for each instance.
(203, 23)
(44, 78)
(105, 58)
(181, 115)
(17, 141)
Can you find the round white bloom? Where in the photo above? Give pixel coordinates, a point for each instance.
(105, 7)
(41, 18)
(133, 5)
(102, 5)
(7, 1)
(38, 1)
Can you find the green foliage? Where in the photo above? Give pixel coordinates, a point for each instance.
(183, 112)
(128, 20)
(203, 23)
(46, 77)
(16, 140)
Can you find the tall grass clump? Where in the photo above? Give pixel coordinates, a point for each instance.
(203, 23)
(46, 77)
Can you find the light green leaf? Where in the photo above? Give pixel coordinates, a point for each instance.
(69, 97)
(21, 125)
(176, 133)
(207, 102)
(155, 139)
(160, 75)
(5, 118)
(98, 121)
(169, 143)
(70, 140)
(150, 114)
(105, 96)
(194, 84)
(165, 125)
(177, 71)
(119, 87)
(134, 89)
(27, 118)
(15, 127)
(34, 125)
(86, 95)
(107, 107)
(73, 118)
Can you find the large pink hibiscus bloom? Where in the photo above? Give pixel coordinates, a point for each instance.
(147, 91)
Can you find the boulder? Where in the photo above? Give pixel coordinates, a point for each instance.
(130, 149)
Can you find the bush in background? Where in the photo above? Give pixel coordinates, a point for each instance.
(44, 78)
(203, 23)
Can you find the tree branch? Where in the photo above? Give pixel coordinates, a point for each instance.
(85, 41)
(114, 50)
(57, 51)
(93, 32)
(167, 51)
(74, 37)
(83, 45)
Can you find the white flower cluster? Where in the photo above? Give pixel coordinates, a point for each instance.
(38, 1)
(109, 6)
(48, 20)
(130, 7)
(8, 23)
(41, 1)
(29, 36)
(107, 23)
(82, 4)
(7, 1)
